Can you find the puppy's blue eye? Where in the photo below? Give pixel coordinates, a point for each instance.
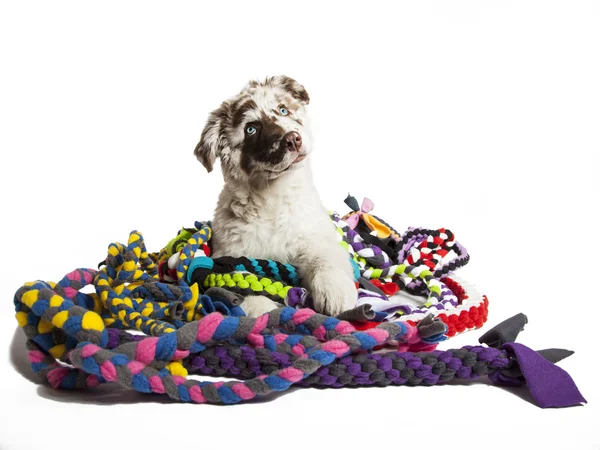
(250, 130)
(283, 111)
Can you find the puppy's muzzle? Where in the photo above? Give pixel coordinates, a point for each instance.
(292, 142)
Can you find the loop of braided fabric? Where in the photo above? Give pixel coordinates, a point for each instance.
(423, 258)
(364, 256)
(274, 356)
(468, 313)
(140, 364)
(78, 340)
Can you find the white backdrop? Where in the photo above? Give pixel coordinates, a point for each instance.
(479, 116)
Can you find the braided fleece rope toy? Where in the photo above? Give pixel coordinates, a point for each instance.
(78, 340)
(268, 350)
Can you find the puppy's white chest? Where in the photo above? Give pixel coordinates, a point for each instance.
(273, 227)
(278, 233)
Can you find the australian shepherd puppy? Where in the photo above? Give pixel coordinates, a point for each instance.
(269, 207)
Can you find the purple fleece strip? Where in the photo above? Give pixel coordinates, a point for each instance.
(550, 386)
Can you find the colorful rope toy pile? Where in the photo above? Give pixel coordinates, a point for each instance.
(187, 307)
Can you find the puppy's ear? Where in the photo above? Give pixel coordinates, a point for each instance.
(211, 141)
(293, 87)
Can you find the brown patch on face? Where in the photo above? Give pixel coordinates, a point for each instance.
(243, 108)
(258, 147)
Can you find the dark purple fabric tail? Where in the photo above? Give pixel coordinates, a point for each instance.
(550, 386)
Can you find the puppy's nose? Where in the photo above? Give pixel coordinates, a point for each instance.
(292, 141)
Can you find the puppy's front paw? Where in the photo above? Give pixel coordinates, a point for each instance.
(333, 292)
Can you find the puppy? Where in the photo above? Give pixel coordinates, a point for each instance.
(269, 207)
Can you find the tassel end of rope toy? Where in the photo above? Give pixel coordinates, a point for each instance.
(549, 385)
(432, 330)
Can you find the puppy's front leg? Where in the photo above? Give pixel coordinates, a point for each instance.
(327, 274)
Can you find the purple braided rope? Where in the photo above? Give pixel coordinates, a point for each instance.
(373, 369)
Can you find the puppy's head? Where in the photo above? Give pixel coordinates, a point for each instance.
(259, 135)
